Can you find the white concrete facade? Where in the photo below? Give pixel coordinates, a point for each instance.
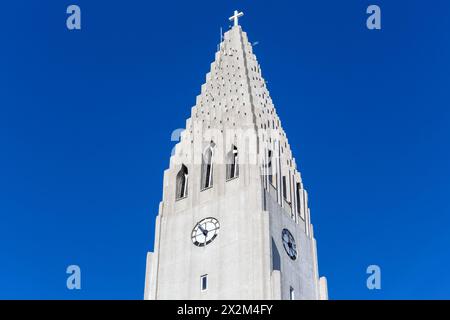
(247, 259)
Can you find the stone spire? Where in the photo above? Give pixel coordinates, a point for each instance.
(235, 97)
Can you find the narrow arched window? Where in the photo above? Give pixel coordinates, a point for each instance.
(269, 166)
(182, 183)
(298, 196)
(207, 167)
(284, 188)
(232, 164)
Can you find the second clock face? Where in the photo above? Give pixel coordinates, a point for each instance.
(289, 244)
(205, 231)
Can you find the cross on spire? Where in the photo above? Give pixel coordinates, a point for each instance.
(236, 17)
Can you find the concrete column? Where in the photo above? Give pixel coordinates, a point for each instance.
(276, 285)
(323, 288)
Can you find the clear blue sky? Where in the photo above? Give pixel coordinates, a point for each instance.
(86, 119)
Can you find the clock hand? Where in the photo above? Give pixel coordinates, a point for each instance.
(204, 231)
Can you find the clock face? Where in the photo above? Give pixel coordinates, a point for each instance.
(205, 232)
(289, 244)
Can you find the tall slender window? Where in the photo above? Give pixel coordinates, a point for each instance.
(298, 197)
(232, 164)
(182, 183)
(207, 167)
(284, 188)
(204, 282)
(269, 166)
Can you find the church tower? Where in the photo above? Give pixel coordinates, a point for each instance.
(234, 220)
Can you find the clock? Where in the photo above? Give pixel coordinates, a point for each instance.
(205, 232)
(289, 244)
